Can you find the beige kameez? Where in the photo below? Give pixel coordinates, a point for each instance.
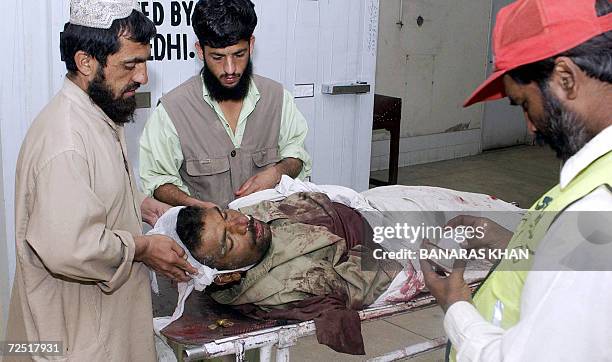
(77, 211)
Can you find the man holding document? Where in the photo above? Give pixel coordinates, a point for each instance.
(554, 59)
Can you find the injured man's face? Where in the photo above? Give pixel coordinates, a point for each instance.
(223, 239)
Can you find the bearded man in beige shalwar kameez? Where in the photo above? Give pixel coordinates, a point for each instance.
(82, 276)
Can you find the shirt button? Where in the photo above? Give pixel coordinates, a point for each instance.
(233, 154)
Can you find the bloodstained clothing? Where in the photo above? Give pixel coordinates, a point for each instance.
(308, 256)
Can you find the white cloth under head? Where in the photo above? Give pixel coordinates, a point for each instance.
(100, 13)
(166, 225)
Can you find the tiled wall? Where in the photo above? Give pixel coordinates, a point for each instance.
(430, 148)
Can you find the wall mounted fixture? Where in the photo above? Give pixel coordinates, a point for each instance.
(400, 20)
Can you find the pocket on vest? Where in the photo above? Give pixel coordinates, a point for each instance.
(207, 167)
(266, 157)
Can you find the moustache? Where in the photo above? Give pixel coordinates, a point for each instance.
(131, 87)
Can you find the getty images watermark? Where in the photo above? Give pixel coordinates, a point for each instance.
(443, 244)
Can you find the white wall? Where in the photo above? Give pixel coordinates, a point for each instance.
(433, 68)
(4, 267)
(502, 125)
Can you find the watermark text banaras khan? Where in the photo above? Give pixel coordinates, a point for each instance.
(459, 234)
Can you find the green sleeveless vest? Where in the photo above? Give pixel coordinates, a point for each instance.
(499, 296)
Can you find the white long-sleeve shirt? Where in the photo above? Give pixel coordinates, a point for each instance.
(566, 305)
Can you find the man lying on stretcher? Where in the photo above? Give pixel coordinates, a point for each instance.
(299, 243)
(303, 246)
(306, 245)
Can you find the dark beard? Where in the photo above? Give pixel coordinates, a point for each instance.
(220, 93)
(564, 130)
(119, 110)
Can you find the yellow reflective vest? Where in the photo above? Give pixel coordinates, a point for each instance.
(498, 298)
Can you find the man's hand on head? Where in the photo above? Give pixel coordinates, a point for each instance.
(447, 290)
(172, 195)
(152, 210)
(163, 255)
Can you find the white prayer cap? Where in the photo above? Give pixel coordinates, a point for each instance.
(100, 13)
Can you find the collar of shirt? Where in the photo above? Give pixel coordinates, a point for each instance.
(248, 106)
(595, 148)
(80, 97)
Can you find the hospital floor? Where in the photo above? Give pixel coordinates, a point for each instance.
(518, 174)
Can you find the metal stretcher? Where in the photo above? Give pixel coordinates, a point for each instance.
(191, 339)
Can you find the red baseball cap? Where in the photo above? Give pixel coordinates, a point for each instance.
(528, 31)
